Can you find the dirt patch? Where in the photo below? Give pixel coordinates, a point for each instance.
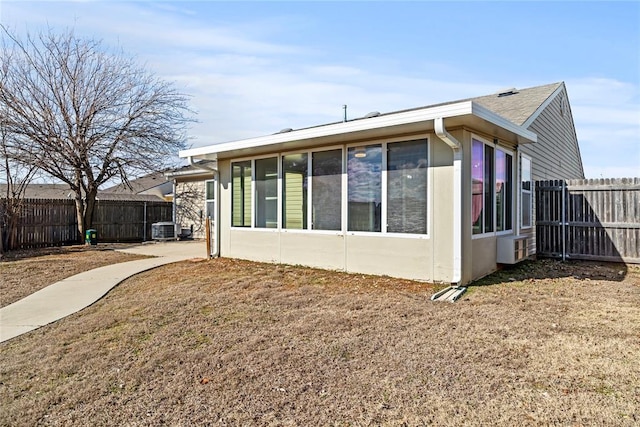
(227, 342)
(25, 272)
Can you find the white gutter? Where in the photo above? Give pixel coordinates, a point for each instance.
(455, 145)
(459, 109)
(216, 176)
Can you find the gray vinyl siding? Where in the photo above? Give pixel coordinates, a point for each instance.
(556, 154)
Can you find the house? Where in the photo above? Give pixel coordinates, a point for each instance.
(193, 202)
(64, 192)
(442, 193)
(152, 184)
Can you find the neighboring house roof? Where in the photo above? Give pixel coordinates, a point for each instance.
(192, 171)
(153, 184)
(43, 191)
(505, 114)
(130, 197)
(62, 191)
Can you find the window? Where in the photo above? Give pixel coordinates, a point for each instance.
(407, 187)
(364, 177)
(492, 188)
(525, 188)
(210, 199)
(504, 191)
(266, 182)
(294, 191)
(241, 194)
(306, 191)
(326, 190)
(477, 187)
(488, 189)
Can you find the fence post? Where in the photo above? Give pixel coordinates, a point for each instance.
(144, 223)
(563, 220)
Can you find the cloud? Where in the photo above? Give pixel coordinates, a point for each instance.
(245, 83)
(602, 91)
(607, 119)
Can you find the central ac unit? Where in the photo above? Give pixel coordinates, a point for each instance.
(163, 231)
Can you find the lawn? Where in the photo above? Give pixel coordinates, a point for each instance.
(25, 272)
(229, 342)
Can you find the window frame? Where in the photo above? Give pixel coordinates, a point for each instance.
(343, 183)
(307, 213)
(254, 194)
(385, 189)
(514, 205)
(344, 148)
(522, 191)
(251, 192)
(494, 211)
(384, 142)
(207, 200)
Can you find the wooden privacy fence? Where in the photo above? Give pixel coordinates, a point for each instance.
(595, 219)
(44, 222)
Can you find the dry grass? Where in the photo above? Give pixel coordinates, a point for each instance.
(227, 342)
(25, 272)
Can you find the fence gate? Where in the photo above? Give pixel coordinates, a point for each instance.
(597, 219)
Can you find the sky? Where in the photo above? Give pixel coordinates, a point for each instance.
(254, 68)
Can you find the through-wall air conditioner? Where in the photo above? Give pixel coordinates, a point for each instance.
(512, 249)
(163, 231)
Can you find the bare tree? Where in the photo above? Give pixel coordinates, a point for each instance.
(85, 115)
(16, 177)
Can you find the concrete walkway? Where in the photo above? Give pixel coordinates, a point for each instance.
(74, 293)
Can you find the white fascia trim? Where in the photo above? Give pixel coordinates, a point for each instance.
(542, 106)
(407, 117)
(392, 119)
(484, 113)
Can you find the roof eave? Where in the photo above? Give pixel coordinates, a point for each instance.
(523, 136)
(400, 122)
(188, 173)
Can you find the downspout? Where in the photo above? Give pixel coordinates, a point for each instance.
(454, 292)
(173, 208)
(216, 176)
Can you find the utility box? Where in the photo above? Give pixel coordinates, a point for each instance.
(512, 249)
(91, 237)
(163, 231)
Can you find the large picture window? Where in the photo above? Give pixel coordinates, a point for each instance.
(267, 193)
(364, 176)
(385, 185)
(492, 188)
(241, 194)
(294, 191)
(407, 187)
(326, 189)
